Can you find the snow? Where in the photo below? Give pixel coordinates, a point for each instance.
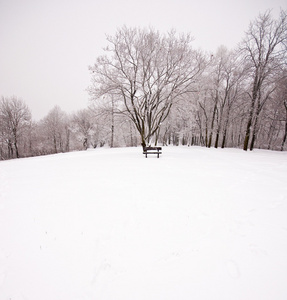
(109, 224)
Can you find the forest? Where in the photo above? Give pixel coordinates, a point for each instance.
(155, 88)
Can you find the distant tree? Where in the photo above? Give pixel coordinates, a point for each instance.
(277, 114)
(225, 86)
(107, 112)
(15, 119)
(148, 72)
(84, 126)
(264, 51)
(55, 128)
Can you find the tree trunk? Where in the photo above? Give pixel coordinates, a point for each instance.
(247, 133)
(223, 139)
(10, 149)
(143, 143)
(16, 143)
(284, 137)
(216, 140)
(113, 123)
(212, 124)
(67, 140)
(254, 133)
(112, 137)
(55, 144)
(248, 128)
(253, 140)
(225, 129)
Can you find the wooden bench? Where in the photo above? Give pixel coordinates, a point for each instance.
(152, 150)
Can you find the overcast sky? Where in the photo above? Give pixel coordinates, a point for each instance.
(47, 46)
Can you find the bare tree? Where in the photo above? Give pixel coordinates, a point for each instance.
(108, 112)
(148, 72)
(83, 126)
(277, 113)
(264, 52)
(15, 119)
(56, 131)
(227, 77)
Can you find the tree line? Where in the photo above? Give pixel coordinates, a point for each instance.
(57, 132)
(152, 88)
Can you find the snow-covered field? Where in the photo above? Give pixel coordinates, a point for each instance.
(109, 224)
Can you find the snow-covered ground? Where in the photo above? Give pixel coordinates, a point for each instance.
(109, 224)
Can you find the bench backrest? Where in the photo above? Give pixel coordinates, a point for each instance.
(152, 148)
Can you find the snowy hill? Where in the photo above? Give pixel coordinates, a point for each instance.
(109, 224)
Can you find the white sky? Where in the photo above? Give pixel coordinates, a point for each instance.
(47, 46)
